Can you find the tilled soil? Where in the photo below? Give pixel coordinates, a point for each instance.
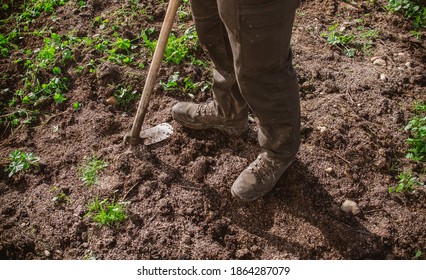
(180, 206)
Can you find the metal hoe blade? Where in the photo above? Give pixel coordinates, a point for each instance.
(156, 134)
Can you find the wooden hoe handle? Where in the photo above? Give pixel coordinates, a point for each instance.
(154, 68)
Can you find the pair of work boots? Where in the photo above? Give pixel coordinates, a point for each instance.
(260, 176)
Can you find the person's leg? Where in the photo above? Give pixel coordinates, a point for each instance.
(228, 111)
(260, 33)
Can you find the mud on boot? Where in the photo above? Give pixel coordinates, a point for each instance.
(206, 116)
(259, 178)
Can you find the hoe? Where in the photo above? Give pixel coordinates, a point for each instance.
(164, 130)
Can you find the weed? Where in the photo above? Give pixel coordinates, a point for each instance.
(339, 39)
(416, 34)
(60, 197)
(418, 255)
(417, 129)
(107, 212)
(125, 96)
(411, 9)
(89, 255)
(172, 83)
(76, 105)
(89, 171)
(407, 182)
(178, 48)
(21, 161)
(4, 46)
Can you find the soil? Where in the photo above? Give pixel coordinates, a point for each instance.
(178, 190)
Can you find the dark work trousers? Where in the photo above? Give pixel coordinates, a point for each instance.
(248, 42)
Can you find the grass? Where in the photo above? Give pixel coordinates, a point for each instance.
(89, 171)
(107, 212)
(21, 161)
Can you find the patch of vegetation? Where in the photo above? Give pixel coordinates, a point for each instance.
(107, 212)
(172, 82)
(178, 48)
(411, 9)
(351, 42)
(407, 183)
(59, 197)
(21, 161)
(126, 96)
(417, 129)
(175, 83)
(89, 171)
(119, 51)
(341, 40)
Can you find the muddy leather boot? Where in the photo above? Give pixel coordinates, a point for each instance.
(249, 43)
(259, 177)
(207, 116)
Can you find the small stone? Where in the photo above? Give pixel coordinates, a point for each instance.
(383, 77)
(47, 253)
(350, 206)
(408, 64)
(329, 170)
(322, 129)
(112, 100)
(379, 62)
(187, 239)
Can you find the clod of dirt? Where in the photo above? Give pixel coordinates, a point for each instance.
(350, 206)
(108, 73)
(200, 167)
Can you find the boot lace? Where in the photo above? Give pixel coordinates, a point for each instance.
(205, 109)
(263, 168)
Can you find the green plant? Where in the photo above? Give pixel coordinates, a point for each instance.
(59, 198)
(177, 48)
(76, 105)
(172, 83)
(107, 212)
(125, 96)
(89, 171)
(21, 161)
(367, 39)
(411, 9)
(339, 39)
(407, 182)
(4, 46)
(416, 34)
(417, 129)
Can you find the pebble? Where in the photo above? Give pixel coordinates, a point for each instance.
(350, 206)
(383, 77)
(47, 253)
(112, 100)
(329, 170)
(408, 64)
(322, 129)
(379, 62)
